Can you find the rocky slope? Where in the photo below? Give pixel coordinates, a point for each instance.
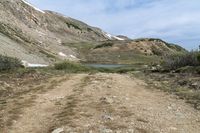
(43, 37)
(38, 36)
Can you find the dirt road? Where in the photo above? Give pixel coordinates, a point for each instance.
(104, 103)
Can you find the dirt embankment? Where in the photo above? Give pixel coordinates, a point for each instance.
(103, 103)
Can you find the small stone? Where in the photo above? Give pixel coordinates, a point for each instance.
(14, 121)
(169, 108)
(58, 130)
(107, 117)
(106, 100)
(195, 85)
(109, 86)
(173, 128)
(126, 99)
(131, 131)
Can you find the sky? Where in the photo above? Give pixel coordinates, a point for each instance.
(175, 21)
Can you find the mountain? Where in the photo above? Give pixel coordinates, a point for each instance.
(43, 37)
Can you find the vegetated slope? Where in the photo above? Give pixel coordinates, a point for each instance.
(38, 36)
(145, 50)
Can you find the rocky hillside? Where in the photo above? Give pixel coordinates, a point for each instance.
(133, 51)
(43, 37)
(38, 36)
(147, 46)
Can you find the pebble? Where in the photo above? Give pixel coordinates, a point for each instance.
(107, 117)
(173, 128)
(58, 130)
(106, 100)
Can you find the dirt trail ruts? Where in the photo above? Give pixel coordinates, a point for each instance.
(106, 103)
(38, 117)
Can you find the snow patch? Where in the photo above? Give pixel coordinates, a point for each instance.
(26, 64)
(72, 56)
(33, 6)
(111, 37)
(58, 130)
(118, 38)
(62, 54)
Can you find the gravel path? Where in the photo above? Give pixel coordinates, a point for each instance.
(106, 103)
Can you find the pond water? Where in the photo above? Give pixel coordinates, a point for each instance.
(105, 65)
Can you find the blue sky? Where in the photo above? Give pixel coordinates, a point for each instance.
(175, 21)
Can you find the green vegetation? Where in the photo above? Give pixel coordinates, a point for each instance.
(128, 57)
(189, 69)
(176, 47)
(148, 39)
(89, 30)
(115, 70)
(9, 63)
(71, 67)
(174, 62)
(70, 24)
(198, 57)
(106, 44)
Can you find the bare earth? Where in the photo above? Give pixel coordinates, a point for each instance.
(104, 103)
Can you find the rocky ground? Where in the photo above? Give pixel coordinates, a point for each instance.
(185, 85)
(98, 103)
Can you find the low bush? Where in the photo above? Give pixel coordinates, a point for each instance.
(107, 44)
(173, 62)
(71, 67)
(114, 70)
(9, 63)
(198, 57)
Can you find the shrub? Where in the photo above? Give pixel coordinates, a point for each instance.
(9, 63)
(107, 44)
(173, 62)
(70, 24)
(70, 67)
(157, 52)
(198, 57)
